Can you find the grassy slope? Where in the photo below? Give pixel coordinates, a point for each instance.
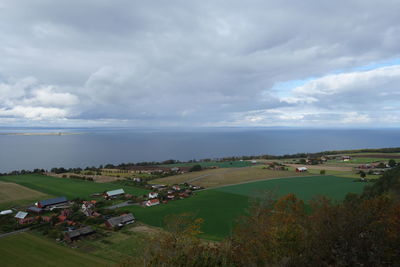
(220, 206)
(30, 250)
(71, 188)
(218, 209)
(12, 194)
(224, 176)
(305, 188)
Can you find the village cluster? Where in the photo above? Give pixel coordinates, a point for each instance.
(70, 220)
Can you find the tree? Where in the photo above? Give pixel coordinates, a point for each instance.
(196, 168)
(362, 174)
(322, 172)
(392, 163)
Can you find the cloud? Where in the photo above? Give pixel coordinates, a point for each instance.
(199, 62)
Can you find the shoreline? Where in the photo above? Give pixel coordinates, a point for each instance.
(41, 134)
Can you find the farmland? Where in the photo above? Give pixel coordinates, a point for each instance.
(219, 207)
(14, 194)
(219, 164)
(219, 177)
(30, 250)
(71, 188)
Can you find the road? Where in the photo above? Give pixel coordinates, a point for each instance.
(15, 232)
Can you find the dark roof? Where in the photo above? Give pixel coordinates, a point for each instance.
(52, 201)
(34, 209)
(115, 221)
(78, 232)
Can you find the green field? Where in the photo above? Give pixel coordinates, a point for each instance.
(219, 207)
(71, 188)
(30, 250)
(222, 164)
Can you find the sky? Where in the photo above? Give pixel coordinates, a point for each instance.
(205, 63)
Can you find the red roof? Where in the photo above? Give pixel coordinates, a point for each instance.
(155, 200)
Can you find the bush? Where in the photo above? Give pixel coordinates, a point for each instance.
(322, 172)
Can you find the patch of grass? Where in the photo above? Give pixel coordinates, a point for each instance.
(119, 246)
(218, 209)
(71, 188)
(218, 177)
(26, 249)
(12, 194)
(305, 188)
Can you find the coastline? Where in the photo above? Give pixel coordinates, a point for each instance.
(30, 134)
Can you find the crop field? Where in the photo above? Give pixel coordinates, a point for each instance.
(71, 188)
(30, 250)
(14, 194)
(305, 188)
(219, 164)
(219, 177)
(219, 207)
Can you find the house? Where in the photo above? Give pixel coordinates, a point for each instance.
(75, 234)
(120, 220)
(301, 169)
(176, 187)
(48, 203)
(153, 195)
(170, 196)
(87, 207)
(346, 158)
(152, 202)
(114, 193)
(138, 180)
(22, 218)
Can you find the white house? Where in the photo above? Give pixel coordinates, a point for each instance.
(301, 169)
(153, 195)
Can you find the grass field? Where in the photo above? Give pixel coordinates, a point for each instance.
(222, 164)
(219, 207)
(71, 188)
(15, 194)
(30, 250)
(218, 177)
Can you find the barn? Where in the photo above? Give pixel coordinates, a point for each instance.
(51, 202)
(76, 234)
(114, 193)
(120, 220)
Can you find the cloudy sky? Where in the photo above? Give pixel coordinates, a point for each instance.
(200, 63)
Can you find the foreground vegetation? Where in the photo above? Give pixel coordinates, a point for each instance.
(363, 230)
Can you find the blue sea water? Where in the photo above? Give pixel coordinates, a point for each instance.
(101, 146)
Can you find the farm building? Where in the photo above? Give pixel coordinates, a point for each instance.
(153, 195)
(114, 193)
(22, 218)
(88, 207)
(34, 209)
(75, 234)
(5, 212)
(176, 187)
(120, 220)
(51, 202)
(301, 169)
(152, 202)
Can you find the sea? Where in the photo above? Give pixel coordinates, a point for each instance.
(100, 146)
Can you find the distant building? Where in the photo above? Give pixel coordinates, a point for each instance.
(76, 234)
(34, 209)
(51, 202)
(301, 169)
(5, 212)
(152, 202)
(153, 195)
(120, 220)
(115, 193)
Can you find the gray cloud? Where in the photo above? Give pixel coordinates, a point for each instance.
(190, 62)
